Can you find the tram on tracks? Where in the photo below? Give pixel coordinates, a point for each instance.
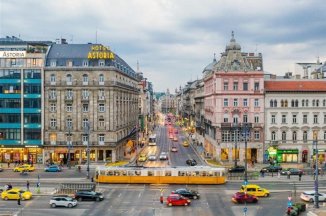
(161, 175)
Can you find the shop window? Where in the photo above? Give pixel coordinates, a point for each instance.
(224, 154)
(315, 119)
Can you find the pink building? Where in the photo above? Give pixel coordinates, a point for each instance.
(234, 97)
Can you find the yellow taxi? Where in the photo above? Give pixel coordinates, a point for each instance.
(13, 194)
(142, 158)
(255, 190)
(24, 167)
(185, 143)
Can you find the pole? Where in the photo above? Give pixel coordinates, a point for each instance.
(86, 130)
(316, 201)
(235, 126)
(69, 146)
(246, 130)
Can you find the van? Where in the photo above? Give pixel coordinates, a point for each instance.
(254, 190)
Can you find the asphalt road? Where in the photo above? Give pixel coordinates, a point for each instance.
(143, 200)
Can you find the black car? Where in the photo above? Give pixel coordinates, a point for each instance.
(187, 193)
(88, 195)
(271, 168)
(191, 162)
(237, 169)
(293, 171)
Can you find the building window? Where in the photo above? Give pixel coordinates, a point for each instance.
(85, 122)
(256, 86)
(85, 63)
(284, 137)
(256, 104)
(257, 135)
(226, 86)
(294, 136)
(225, 119)
(305, 136)
(101, 122)
(226, 102)
(324, 136)
(245, 102)
(302, 103)
(273, 136)
(245, 86)
(69, 107)
(283, 119)
(271, 103)
(324, 119)
(53, 123)
(296, 103)
(85, 107)
(235, 102)
(317, 103)
(69, 79)
(85, 79)
(315, 119)
(313, 103)
(53, 107)
(101, 63)
(101, 79)
(275, 103)
(235, 120)
(324, 102)
(53, 94)
(286, 103)
(305, 119)
(85, 93)
(256, 119)
(101, 108)
(69, 93)
(52, 78)
(307, 103)
(53, 63)
(235, 86)
(245, 118)
(101, 138)
(85, 139)
(294, 119)
(273, 119)
(69, 123)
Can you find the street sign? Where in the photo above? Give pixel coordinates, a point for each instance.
(289, 203)
(245, 182)
(245, 209)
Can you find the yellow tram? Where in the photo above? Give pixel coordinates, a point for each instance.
(161, 175)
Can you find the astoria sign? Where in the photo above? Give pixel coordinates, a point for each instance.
(12, 54)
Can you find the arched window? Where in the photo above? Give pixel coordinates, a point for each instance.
(324, 102)
(307, 103)
(283, 136)
(69, 78)
(275, 103)
(52, 78)
(302, 103)
(317, 103)
(296, 103)
(273, 136)
(292, 103)
(305, 136)
(313, 103)
(286, 103)
(282, 103)
(271, 103)
(294, 136)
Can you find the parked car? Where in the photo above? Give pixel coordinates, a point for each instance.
(191, 162)
(52, 168)
(241, 197)
(237, 169)
(152, 158)
(142, 158)
(174, 149)
(309, 196)
(88, 195)
(164, 156)
(271, 168)
(254, 190)
(13, 194)
(24, 167)
(293, 171)
(63, 200)
(191, 194)
(177, 200)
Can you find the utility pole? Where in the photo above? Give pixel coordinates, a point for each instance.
(316, 200)
(235, 129)
(246, 131)
(86, 131)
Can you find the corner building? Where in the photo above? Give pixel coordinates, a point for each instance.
(234, 97)
(91, 97)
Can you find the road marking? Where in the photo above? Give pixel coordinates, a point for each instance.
(119, 195)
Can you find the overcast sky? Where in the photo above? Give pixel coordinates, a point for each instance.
(174, 40)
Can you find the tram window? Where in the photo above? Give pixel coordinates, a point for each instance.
(188, 173)
(102, 172)
(116, 173)
(109, 173)
(124, 173)
(181, 173)
(130, 173)
(137, 173)
(150, 173)
(210, 173)
(203, 173)
(168, 173)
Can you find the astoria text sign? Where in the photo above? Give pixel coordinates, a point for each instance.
(12, 54)
(100, 52)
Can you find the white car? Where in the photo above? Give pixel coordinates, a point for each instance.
(163, 156)
(309, 196)
(152, 158)
(65, 201)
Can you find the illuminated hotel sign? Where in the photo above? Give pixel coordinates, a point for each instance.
(12, 54)
(100, 52)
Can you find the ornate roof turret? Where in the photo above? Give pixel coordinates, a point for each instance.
(233, 45)
(209, 68)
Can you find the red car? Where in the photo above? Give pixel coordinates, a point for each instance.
(241, 197)
(177, 200)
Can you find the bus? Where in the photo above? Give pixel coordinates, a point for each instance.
(152, 140)
(161, 175)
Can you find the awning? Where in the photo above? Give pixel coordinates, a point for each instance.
(305, 152)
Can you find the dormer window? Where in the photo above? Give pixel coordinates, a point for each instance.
(101, 63)
(53, 63)
(85, 63)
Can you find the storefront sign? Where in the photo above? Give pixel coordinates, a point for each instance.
(100, 52)
(287, 151)
(12, 54)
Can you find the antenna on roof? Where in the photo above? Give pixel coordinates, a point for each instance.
(137, 66)
(96, 36)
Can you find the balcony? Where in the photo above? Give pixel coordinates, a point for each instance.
(85, 98)
(68, 98)
(52, 98)
(101, 98)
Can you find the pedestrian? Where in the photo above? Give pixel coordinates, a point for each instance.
(289, 174)
(8, 163)
(6, 187)
(19, 197)
(27, 185)
(262, 173)
(279, 174)
(161, 198)
(9, 186)
(300, 174)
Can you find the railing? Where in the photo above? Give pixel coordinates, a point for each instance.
(71, 188)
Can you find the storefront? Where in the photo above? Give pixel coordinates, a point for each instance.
(31, 154)
(321, 155)
(287, 155)
(270, 154)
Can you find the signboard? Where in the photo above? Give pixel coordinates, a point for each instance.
(100, 52)
(287, 151)
(12, 54)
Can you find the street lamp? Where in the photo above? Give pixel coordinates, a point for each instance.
(316, 201)
(69, 145)
(235, 129)
(245, 133)
(86, 131)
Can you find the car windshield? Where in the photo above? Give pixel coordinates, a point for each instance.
(69, 199)
(21, 191)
